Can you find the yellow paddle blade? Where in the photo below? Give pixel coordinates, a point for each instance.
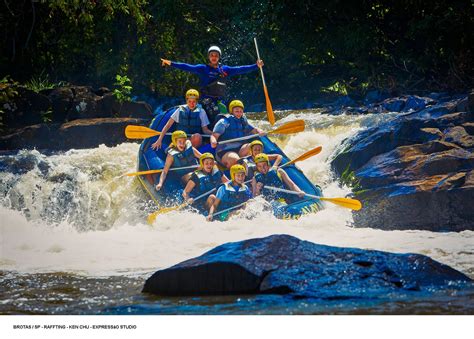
(270, 115)
(345, 202)
(305, 156)
(290, 127)
(144, 172)
(139, 132)
(152, 217)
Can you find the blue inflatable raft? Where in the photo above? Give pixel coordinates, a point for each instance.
(170, 194)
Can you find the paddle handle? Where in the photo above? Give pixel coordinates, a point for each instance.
(258, 57)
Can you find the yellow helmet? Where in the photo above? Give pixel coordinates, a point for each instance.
(192, 93)
(236, 169)
(176, 135)
(205, 156)
(262, 157)
(235, 103)
(256, 142)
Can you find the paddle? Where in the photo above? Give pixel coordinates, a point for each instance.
(271, 116)
(344, 202)
(142, 132)
(159, 170)
(229, 209)
(151, 218)
(304, 156)
(288, 128)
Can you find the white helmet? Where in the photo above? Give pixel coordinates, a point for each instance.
(214, 49)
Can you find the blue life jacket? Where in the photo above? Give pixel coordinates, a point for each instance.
(189, 120)
(251, 167)
(234, 196)
(207, 181)
(182, 159)
(272, 178)
(237, 128)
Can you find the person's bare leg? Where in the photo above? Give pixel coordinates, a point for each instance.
(210, 201)
(229, 159)
(244, 150)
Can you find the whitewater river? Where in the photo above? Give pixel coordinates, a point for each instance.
(74, 237)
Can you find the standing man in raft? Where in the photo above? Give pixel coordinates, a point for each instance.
(213, 79)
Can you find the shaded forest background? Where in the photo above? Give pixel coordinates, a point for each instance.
(310, 48)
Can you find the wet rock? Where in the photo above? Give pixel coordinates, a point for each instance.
(411, 172)
(282, 264)
(82, 133)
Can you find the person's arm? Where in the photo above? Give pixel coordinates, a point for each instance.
(206, 130)
(157, 143)
(169, 161)
(196, 69)
(275, 157)
(214, 138)
(254, 187)
(224, 179)
(189, 187)
(236, 70)
(290, 183)
(258, 131)
(197, 154)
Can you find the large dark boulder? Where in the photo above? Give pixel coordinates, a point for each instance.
(26, 108)
(282, 264)
(78, 134)
(414, 171)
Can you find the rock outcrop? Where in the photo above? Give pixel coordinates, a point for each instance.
(77, 134)
(415, 171)
(282, 264)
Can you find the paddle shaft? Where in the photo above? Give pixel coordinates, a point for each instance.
(258, 56)
(290, 192)
(229, 209)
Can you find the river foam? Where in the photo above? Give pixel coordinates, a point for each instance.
(81, 216)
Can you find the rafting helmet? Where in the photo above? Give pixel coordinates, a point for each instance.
(176, 135)
(262, 157)
(214, 49)
(192, 93)
(235, 103)
(205, 156)
(236, 169)
(256, 142)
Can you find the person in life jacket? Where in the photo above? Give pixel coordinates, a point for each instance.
(213, 78)
(203, 180)
(233, 193)
(190, 118)
(256, 147)
(232, 127)
(180, 153)
(267, 176)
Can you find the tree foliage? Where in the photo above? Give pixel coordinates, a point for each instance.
(308, 46)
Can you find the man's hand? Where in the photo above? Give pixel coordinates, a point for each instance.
(165, 62)
(260, 63)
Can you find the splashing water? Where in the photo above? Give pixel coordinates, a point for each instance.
(74, 212)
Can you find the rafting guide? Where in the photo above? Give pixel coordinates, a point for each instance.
(213, 78)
